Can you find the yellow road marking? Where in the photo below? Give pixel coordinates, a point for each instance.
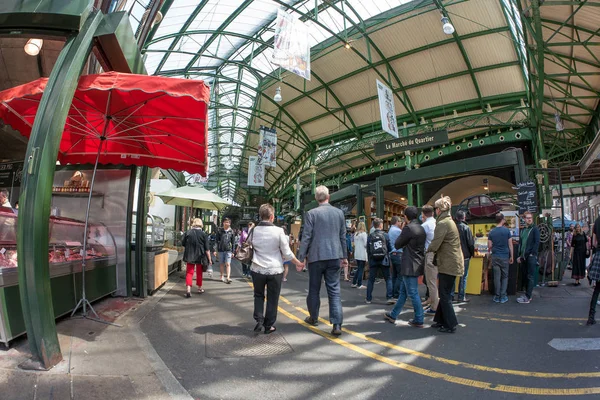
(568, 375)
(446, 377)
(535, 317)
(514, 321)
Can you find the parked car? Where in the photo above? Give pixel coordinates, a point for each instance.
(482, 206)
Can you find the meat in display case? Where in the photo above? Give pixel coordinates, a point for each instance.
(65, 254)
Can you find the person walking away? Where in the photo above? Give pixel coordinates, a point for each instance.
(324, 247)
(360, 255)
(501, 248)
(395, 255)
(412, 241)
(243, 237)
(271, 247)
(225, 240)
(595, 233)
(450, 263)
(467, 245)
(196, 254)
(568, 243)
(579, 252)
(431, 270)
(286, 264)
(378, 244)
(529, 242)
(594, 275)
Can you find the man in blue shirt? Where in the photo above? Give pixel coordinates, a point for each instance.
(395, 255)
(501, 248)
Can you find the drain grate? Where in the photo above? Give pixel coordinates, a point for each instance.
(225, 346)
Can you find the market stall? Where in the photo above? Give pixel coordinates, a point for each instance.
(64, 254)
(157, 257)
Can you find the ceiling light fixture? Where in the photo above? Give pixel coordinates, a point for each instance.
(488, 108)
(33, 46)
(423, 122)
(447, 26)
(277, 96)
(559, 124)
(347, 46)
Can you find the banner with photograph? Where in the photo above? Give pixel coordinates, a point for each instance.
(291, 48)
(387, 109)
(267, 147)
(256, 172)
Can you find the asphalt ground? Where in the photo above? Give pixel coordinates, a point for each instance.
(499, 351)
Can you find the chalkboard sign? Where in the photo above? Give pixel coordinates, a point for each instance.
(527, 197)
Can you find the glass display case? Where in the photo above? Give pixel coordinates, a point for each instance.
(66, 237)
(155, 231)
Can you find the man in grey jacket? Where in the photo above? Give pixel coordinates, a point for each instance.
(324, 246)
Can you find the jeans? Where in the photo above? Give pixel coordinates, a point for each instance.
(500, 269)
(444, 314)
(462, 282)
(409, 287)
(273, 284)
(531, 264)
(245, 269)
(396, 260)
(594, 300)
(358, 275)
(330, 269)
(385, 270)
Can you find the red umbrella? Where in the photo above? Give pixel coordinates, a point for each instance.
(120, 118)
(131, 119)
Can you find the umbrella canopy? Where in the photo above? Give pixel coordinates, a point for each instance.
(193, 196)
(130, 119)
(556, 224)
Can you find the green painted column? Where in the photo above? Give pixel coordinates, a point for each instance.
(409, 187)
(313, 179)
(419, 195)
(36, 196)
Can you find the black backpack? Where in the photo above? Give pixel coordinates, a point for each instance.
(377, 246)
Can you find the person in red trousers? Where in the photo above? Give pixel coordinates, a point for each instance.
(196, 254)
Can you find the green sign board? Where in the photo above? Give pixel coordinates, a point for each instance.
(413, 142)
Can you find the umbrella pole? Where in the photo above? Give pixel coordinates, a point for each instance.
(84, 302)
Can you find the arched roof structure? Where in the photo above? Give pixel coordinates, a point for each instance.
(481, 82)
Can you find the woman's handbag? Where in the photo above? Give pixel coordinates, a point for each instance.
(245, 251)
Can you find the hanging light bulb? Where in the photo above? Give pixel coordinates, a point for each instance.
(277, 96)
(423, 122)
(33, 46)
(347, 45)
(522, 103)
(455, 113)
(447, 26)
(488, 108)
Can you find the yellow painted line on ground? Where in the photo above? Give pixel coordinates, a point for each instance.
(513, 321)
(445, 377)
(567, 375)
(534, 317)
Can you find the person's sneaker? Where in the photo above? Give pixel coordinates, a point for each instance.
(504, 299)
(367, 301)
(390, 301)
(337, 330)
(414, 323)
(524, 300)
(429, 311)
(388, 317)
(362, 287)
(353, 285)
(496, 299)
(464, 300)
(311, 321)
(188, 295)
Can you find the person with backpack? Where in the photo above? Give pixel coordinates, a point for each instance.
(225, 242)
(243, 237)
(412, 241)
(467, 245)
(196, 255)
(378, 244)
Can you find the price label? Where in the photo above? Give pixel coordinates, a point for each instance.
(81, 252)
(2, 250)
(67, 252)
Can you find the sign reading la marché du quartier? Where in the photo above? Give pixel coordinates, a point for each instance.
(412, 142)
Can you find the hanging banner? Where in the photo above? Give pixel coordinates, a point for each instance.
(387, 109)
(291, 49)
(256, 172)
(267, 147)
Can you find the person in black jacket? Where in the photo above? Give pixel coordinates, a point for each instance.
(467, 245)
(225, 242)
(528, 251)
(196, 254)
(412, 239)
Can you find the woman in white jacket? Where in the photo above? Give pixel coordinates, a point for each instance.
(271, 248)
(360, 255)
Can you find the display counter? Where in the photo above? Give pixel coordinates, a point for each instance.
(157, 256)
(65, 254)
